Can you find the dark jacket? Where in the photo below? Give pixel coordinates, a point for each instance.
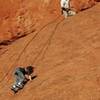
(20, 69)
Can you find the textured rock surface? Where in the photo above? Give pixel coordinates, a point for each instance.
(66, 56)
(21, 17)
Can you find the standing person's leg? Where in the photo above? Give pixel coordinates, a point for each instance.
(67, 4)
(65, 13)
(66, 8)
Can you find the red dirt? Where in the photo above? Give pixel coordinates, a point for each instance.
(65, 53)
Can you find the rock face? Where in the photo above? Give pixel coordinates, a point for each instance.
(65, 52)
(79, 5)
(21, 17)
(66, 57)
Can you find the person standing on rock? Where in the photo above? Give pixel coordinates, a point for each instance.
(22, 75)
(65, 8)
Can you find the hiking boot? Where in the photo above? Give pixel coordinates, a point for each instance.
(71, 13)
(14, 89)
(20, 85)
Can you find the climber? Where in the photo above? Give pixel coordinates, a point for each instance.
(65, 8)
(22, 76)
